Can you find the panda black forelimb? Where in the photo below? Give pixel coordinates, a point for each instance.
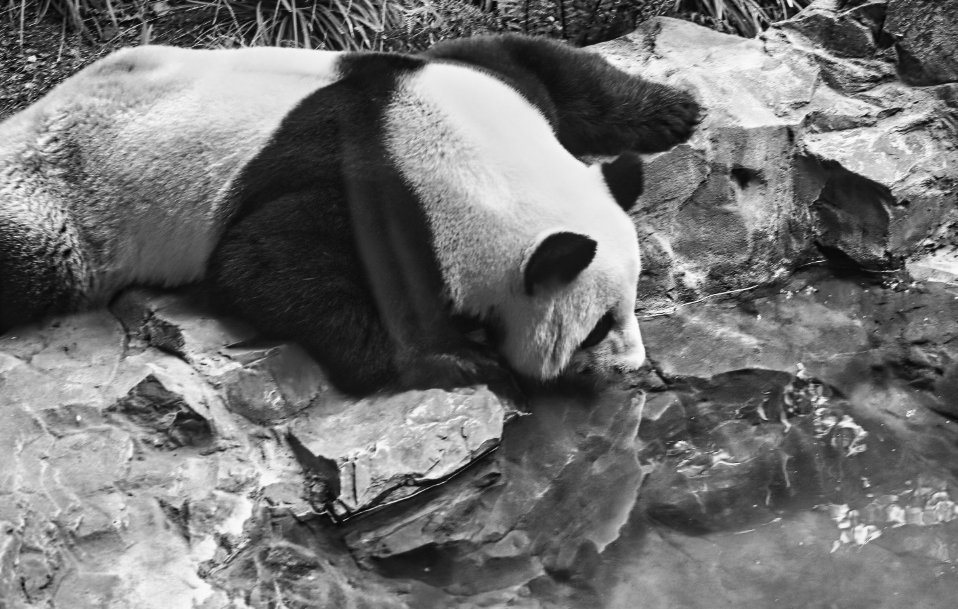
(596, 108)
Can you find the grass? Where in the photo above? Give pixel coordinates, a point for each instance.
(379, 24)
(743, 17)
(329, 24)
(326, 24)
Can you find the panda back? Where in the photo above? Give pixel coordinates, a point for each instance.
(140, 149)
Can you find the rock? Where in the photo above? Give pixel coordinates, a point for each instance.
(29, 578)
(787, 562)
(274, 382)
(530, 511)
(125, 480)
(809, 147)
(847, 29)
(290, 567)
(940, 265)
(379, 450)
(265, 382)
(924, 35)
(181, 323)
(169, 419)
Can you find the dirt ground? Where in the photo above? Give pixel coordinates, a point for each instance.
(36, 54)
(33, 61)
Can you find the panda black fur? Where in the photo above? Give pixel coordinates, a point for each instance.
(372, 206)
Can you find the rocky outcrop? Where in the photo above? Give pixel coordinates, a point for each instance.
(798, 306)
(924, 40)
(127, 481)
(810, 147)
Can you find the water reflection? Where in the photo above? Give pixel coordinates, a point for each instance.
(799, 455)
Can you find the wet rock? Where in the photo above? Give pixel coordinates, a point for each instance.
(664, 422)
(823, 392)
(782, 484)
(554, 495)
(387, 448)
(787, 562)
(288, 567)
(851, 333)
(762, 442)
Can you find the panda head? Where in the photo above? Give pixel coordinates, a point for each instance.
(530, 239)
(575, 316)
(581, 301)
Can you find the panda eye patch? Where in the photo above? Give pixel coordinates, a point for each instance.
(599, 332)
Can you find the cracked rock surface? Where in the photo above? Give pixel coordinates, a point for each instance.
(132, 475)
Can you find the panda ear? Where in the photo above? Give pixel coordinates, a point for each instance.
(558, 259)
(624, 179)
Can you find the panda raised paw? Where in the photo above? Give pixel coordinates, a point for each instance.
(677, 120)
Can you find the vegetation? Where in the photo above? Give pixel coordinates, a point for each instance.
(380, 24)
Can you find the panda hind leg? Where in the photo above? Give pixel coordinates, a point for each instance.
(42, 267)
(290, 268)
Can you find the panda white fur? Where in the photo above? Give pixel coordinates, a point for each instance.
(375, 207)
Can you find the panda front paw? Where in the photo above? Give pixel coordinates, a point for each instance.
(464, 367)
(677, 116)
(681, 118)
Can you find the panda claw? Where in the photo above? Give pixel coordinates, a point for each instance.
(679, 121)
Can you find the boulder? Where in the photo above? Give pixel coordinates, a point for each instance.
(810, 148)
(924, 36)
(382, 449)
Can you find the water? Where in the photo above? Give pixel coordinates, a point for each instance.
(803, 454)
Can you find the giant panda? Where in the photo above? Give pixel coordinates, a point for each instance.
(384, 210)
